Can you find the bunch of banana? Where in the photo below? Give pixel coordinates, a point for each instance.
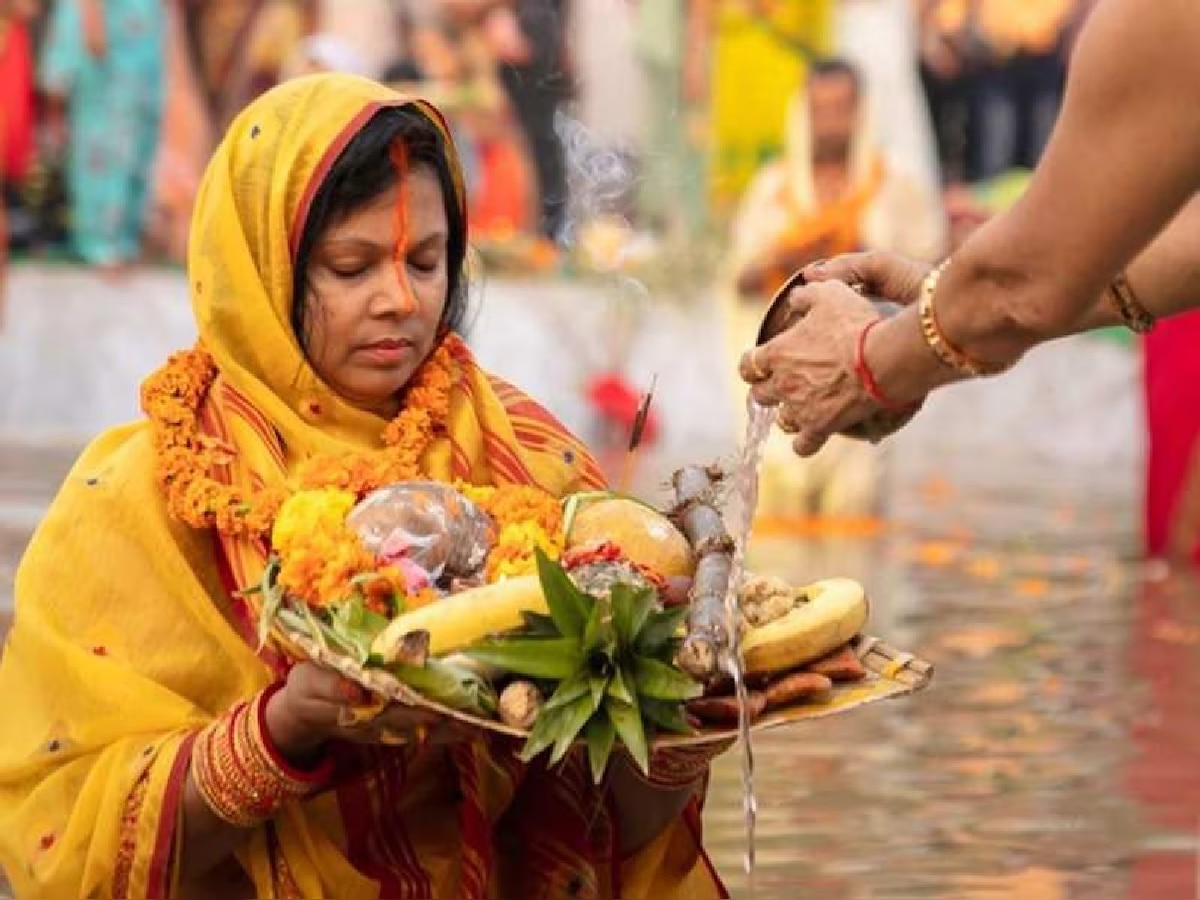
(795, 645)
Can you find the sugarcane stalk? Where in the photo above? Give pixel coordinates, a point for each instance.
(698, 517)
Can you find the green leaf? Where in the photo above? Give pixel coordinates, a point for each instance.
(553, 658)
(295, 622)
(600, 736)
(598, 635)
(544, 733)
(665, 714)
(272, 601)
(619, 690)
(622, 600)
(538, 625)
(357, 627)
(567, 604)
(568, 691)
(575, 717)
(628, 722)
(454, 686)
(655, 638)
(660, 681)
(599, 686)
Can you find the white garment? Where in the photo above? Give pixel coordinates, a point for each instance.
(880, 38)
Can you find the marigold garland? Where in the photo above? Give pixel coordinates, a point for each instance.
(322, 560)
(173, 396)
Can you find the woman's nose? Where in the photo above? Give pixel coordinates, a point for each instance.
(396, 297)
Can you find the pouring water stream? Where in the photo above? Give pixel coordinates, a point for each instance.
(744, 492)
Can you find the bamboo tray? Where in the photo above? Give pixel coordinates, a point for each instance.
(890, 673)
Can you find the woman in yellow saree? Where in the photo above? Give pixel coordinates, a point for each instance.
(327, 283)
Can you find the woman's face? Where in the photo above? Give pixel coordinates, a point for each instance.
(377, 284)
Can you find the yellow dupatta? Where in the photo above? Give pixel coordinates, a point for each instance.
(127, 640)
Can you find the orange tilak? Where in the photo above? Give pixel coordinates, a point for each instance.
(399, 156)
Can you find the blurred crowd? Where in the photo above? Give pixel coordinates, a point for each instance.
(111, 108)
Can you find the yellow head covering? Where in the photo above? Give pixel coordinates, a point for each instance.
(250, 212)
(126, 637)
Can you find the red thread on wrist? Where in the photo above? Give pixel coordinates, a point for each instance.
(867, 379)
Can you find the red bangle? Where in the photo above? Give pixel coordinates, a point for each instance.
(865, 377)
(298, 779)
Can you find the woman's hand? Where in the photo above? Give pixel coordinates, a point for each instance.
(887, 276)
(809, 369)
(313, 704)
(95, 36)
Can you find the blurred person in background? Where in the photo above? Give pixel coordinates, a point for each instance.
(16, 113)
(102, 69)
(834, 190)
(238, 49)
(528, 41)
(672, 39)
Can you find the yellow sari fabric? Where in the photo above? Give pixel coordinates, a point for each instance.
(129, 635)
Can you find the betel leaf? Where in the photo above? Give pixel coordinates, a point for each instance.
(553, 658)
(627, 721)
(567, 604)
(661, 625)
(575, 717)
(568, 691)
(665, 714)
(660, 681)
(600, 736)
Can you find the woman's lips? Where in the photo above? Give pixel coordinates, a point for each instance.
(388, 351)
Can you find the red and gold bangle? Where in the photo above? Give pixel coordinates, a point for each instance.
(945, 351)
(866, 378)
(240, 773)
(297, 782)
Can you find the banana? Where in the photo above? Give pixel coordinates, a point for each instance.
(835, 611)
(463, 619)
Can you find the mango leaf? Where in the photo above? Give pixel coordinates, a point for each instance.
(567, 604)
(630, 611)
(665, 714)
(552, 658)
(600, 736)
(454, 686)
(627, 721)
(575, 717)
(660, 681)
(538, 625)
(661, 625)
(568, 691)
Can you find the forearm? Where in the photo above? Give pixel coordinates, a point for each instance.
(243, 769)
(1165, 277)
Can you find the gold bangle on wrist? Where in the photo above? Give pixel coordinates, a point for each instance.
(1136, 317)
(948, 354)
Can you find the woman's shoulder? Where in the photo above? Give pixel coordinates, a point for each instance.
(540, 431)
